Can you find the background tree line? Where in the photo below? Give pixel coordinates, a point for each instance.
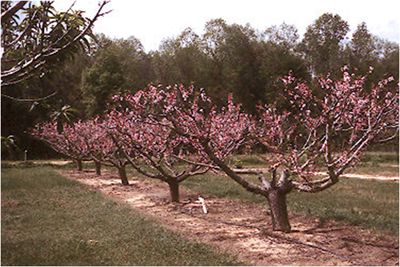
(226, 58)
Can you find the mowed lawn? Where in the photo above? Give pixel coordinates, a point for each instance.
(50, 220)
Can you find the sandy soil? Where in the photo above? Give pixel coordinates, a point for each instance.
(382, 177)
(353, 245)
(373, 177)
(389, 178)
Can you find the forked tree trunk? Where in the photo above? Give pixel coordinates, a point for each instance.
(174, 190)
(79, 165)
(97, 166)
(280, 218)
(123, 176)
(275, 190)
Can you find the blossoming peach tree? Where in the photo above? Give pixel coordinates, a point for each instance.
(326, 132)
(84, 140)
(152, 141)
(67, 143)
(101, 146)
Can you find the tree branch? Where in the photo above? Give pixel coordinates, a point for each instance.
(6, 16)
(231, 173)
(30, 66)
(29, 99)
(317, 185)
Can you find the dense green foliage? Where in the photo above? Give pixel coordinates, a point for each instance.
(49, 220)
(38, 45)
(322, 45)
(117, 65)
(226, 58)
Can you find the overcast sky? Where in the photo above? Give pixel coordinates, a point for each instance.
(151, 21)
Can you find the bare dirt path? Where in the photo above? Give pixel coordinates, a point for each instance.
(248, 244)
(372, 177)
(387, 178)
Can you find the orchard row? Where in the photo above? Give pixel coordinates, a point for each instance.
(174, 133)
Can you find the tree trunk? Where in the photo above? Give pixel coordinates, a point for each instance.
(277, 202)
(97, 166)
(79, 165)
(174, 190)
(122, 175)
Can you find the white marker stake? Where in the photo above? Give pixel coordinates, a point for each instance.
(203, 204)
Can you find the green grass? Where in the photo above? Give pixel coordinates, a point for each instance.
(379, 163)
(50, 220)
(381, 157)
(367, 203)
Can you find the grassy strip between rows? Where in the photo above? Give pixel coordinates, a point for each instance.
(50, 220)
